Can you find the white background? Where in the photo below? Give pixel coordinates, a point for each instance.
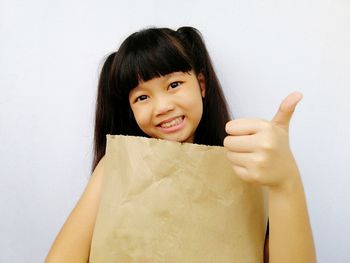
(50, 57)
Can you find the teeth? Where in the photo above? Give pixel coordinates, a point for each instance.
(171, 123)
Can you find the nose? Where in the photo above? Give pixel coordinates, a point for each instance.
(163, 104)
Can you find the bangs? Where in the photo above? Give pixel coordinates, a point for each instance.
(151, 54)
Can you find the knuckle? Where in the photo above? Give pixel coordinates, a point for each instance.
(228, 126)
(256, 177)
(261, 161)
(226, 141)
(259, 158)
(265, 124)
(266, 145)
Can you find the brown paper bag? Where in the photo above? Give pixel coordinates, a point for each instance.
(169, 202)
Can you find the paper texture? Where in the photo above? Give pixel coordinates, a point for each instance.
(170, 202)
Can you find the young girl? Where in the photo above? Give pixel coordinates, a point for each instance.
(161, 84)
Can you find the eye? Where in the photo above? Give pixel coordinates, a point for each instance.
(175, 84)
(140, 98)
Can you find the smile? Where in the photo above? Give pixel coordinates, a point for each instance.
(172, 125)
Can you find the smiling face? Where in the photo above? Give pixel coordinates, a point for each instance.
(169, 107)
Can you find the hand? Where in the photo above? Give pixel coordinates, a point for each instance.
(259, 150)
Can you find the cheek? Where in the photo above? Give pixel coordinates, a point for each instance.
(198, 113)
(194, 104)
(142, 116)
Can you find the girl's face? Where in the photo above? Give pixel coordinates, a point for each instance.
(169, 107)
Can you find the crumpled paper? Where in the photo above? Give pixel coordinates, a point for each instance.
(166, 201)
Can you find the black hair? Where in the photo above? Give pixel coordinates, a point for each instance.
(144, 55)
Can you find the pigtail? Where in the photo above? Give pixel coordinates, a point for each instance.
(211, 129)
(192, 40)
(103, 112)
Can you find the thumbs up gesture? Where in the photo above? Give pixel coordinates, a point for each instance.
(259, 150)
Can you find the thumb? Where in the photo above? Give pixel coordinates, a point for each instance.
(286, 109)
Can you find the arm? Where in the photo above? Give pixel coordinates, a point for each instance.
(290, 238)
(73, 241)
(260, 154)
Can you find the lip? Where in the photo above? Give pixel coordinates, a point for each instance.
(173, 128)
(170, 119)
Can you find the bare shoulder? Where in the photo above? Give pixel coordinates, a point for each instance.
(72, 243)
(99, 169)
(93, 189)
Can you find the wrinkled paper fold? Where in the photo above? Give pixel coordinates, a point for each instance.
(170, 202)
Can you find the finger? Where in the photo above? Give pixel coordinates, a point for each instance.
(241, 172)
(244, 126)
(240, 159)
(286, 109)
(244, 143)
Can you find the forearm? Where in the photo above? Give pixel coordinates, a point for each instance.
(290, 231)
(73, 241)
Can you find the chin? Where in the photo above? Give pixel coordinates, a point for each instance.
(176, 139)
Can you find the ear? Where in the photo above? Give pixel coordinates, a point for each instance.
(201, 81)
